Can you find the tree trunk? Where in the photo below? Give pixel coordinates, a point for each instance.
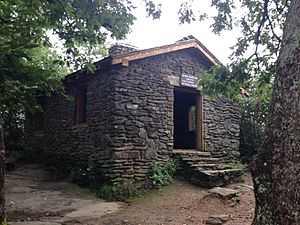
(276, 168)
(2, 169)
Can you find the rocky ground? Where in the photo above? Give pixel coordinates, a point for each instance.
(35, 198)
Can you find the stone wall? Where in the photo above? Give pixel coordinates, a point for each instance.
(144, 110)
(81, 145)
(129, 118)
(222, 128)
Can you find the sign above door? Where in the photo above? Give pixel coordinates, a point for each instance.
(188, 81)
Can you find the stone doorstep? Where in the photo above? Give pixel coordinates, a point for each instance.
(210, 166)
(201, 160)
(191, 153)
(218, 173)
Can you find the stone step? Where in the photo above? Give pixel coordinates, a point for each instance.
(201, 160)
(211, 166)
(191, 153)
(218, 173)
(202, 168)
(215, 178)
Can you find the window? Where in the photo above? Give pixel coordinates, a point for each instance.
(80, 107)
(39, 116)
(39, 121)
(192, 118)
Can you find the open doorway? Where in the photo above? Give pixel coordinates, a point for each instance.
(185, 119)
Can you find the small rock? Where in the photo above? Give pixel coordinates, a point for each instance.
(223, 192)
(224, 218)
(232, 204)
(125, 221)
(247, 186)
(217, 219)
(213, 221)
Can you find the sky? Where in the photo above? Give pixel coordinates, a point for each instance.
(148, 33)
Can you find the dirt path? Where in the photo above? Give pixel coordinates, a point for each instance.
(183, 203)
(33, 197)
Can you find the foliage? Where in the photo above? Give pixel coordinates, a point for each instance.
(253, 122)
(87, 177)
(161, 173)
(5, 221)
(29, 66)
(254, 108)
(237, 165)
(260, 23)
(83, 177)
(14, 132)
(107, 192)
(219, 80)
(119, 191)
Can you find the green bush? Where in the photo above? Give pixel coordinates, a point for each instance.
(161, 173)
(120, 191)
(237, 165)
(107, 192)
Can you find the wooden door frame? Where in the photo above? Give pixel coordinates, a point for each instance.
(199, 115)
(199, 122)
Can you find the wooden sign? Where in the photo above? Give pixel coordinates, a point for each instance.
(188, 81)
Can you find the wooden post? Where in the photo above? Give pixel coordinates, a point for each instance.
(199, 122)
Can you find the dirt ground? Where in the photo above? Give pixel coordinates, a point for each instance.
(34, 201)
(183, 203)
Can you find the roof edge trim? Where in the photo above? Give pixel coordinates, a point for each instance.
(166, 49)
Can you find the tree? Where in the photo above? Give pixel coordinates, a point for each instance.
(276, 170)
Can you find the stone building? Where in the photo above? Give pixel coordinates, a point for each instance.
(139, 106)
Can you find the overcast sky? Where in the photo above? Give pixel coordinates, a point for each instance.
(147, 33)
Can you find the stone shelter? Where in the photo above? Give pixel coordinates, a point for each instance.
(139, 106)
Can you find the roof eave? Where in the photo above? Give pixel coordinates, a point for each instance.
(125, 58)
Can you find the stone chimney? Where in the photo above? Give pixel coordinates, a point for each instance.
(118, 49)
(190, 37)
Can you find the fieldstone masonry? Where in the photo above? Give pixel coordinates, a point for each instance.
(222, 128)
(118, 49)
(129, 118)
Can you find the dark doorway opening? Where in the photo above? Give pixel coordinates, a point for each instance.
(184, 119)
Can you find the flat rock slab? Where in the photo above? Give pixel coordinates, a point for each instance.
(223, 192)
(93, 211)
(33, 223)
(32, 193)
